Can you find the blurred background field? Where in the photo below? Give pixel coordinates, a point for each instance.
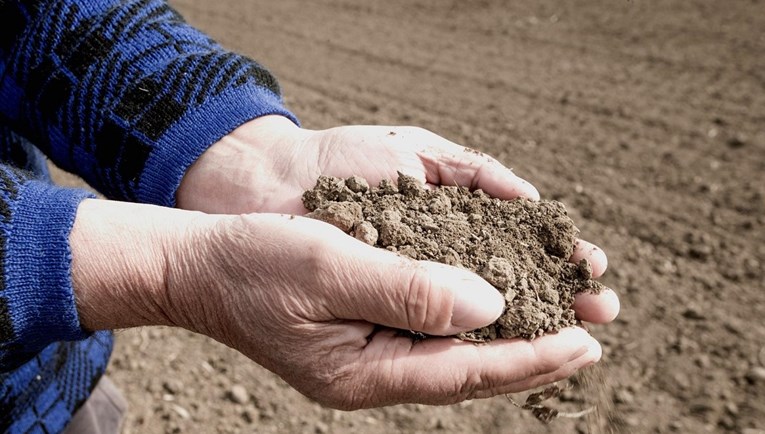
(647, 119)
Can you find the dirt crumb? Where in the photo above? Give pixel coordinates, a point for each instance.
(357, 184)
(364, 231)
(344, 215)
(520, 246)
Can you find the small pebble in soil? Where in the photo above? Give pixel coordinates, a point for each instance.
(756, 375)
(180, 411)
(321, 428)
(238, 394)
(172, 386)
(250, 415)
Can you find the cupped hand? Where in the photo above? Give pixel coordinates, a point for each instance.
(267, 164)
(320, 309)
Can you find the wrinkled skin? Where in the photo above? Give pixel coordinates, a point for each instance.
(318, 307)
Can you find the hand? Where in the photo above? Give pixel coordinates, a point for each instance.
(302, 299)
(267, 164)
(307, 302)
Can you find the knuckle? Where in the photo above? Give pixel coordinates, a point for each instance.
(419, 290)
(428, 308)
(342, 389)
(477, 381)
(472, 384)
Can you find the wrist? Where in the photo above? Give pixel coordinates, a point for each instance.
(120, 262)
(234, 164)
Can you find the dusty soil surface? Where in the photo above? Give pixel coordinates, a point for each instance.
(644, 118)
(520, 247)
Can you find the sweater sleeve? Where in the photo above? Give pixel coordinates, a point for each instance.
(123, 92)
(37, 305)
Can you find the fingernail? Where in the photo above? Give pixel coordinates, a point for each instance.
(476, 303)
(593, 352)
(523, 188)
(529, 191)
(600, 308)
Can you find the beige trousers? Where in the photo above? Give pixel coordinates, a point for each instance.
(102, 413)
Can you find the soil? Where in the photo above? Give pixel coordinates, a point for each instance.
(644, 118)
(520, 247)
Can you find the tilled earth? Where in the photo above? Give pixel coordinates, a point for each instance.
(645, 118)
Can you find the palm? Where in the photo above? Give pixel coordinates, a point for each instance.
(267, 168)
(373, 153)
(262, 168)
(376, 153)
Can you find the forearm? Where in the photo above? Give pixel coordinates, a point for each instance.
(122, 254)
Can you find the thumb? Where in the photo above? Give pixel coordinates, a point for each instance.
(447, 163)
(427, 297)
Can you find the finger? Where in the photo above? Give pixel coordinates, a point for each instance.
(444, 371)
(600, 308)
(469, 170)
(565, 371)
(464, 168)
(594, 255)
(447, 163)
(428, 297)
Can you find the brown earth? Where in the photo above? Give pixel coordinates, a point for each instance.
(519, 246)
(644, 118)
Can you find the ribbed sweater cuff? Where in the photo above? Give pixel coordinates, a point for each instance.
(38, 266)
(187, 139)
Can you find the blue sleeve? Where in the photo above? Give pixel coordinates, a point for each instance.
(37, 305)
(123, 92)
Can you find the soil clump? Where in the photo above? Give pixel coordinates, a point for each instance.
(519, 246)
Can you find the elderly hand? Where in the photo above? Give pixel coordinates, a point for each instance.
(315, 306)
(267, 164)
(318, 307)
(306, 301)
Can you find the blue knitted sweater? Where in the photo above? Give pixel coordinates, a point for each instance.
(125, 94)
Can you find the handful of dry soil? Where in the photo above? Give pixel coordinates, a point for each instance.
(519, 246)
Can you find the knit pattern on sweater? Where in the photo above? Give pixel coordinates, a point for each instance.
(41, 383)
(125, 94)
